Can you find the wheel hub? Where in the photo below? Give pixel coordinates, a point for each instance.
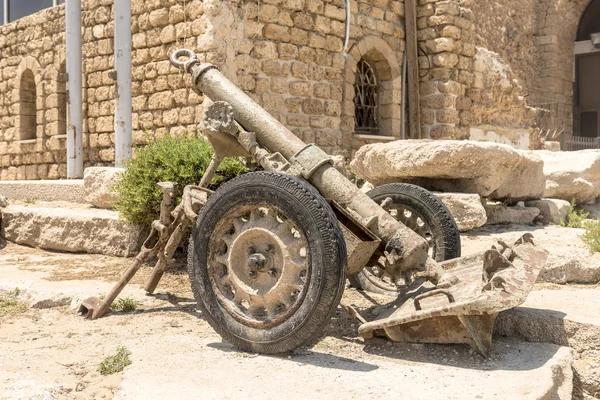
(258, 265)
(256, 259)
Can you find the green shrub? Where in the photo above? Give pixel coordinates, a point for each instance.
(591, 237)
(182, 160)
(576, 217)
(124, 305)
(116, 363)
(10, 304)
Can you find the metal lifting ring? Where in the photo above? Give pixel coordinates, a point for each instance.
(184, 65)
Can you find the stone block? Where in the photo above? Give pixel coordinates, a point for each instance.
(72, 229)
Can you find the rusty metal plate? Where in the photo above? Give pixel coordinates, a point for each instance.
(489, 282)
(361, 243)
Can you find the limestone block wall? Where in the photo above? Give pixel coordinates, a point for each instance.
(446, 39)
(290, 57)
(32, 97)
(33, 101)
(536, 39)
(499, 112)
(510, 29)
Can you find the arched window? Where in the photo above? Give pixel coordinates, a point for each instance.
(27, 107)
(366, 104)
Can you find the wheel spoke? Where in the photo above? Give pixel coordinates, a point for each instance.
(265, 261)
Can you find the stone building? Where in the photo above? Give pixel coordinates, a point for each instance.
(499, 70)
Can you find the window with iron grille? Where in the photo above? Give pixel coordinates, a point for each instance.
(366, 90)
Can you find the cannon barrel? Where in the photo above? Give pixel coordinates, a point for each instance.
(404, 249)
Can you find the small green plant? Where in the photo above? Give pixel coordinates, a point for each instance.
(124, 305)
(591, 237)
(10, 305)
(116, 363)
(182, 160)
(30, 201)
(576, 218)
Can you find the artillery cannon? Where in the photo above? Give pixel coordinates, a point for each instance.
(270, 250)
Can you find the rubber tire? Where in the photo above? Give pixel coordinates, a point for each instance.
(327, 248)
(433, 212)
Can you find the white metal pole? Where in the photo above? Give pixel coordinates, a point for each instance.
(74, 126)
(123, 107)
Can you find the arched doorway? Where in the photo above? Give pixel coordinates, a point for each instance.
(587, 78)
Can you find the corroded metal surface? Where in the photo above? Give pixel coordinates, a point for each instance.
(165, 236)
(403, 249)
(258, 265)
(487, 283)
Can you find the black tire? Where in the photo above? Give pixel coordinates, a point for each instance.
(445, 236)
(325, 256)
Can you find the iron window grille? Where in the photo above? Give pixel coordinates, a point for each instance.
(366, 93)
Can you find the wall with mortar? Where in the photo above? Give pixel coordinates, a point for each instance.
(163, 102)
(289, 56)
(536, 39)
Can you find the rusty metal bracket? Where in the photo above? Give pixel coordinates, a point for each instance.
(305, 162)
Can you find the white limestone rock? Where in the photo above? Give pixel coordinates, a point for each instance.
(572, 175)
(100, 184)
(492, 170)
(71, 229)
(553, 211)
(499, 214)
(563, 317)
(466, 209)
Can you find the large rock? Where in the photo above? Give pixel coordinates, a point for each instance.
(71, 229)
(491, 170)
(567, 318)
(593, 210)
(100, 184)
(572, 175)
(501, 214)
(553, 211)
(70, 190)
(466, 209)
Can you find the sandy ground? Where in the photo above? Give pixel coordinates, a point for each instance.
(51, 353)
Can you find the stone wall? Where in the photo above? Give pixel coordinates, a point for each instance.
(289, 56)
(162, 101)
(509, 28)
(499, 112)
(446, 38)
(32, 97)
(536, 39)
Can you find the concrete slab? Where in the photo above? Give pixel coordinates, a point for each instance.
(71, 228)
(59, 190)
(204, 368)
(563, 317)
